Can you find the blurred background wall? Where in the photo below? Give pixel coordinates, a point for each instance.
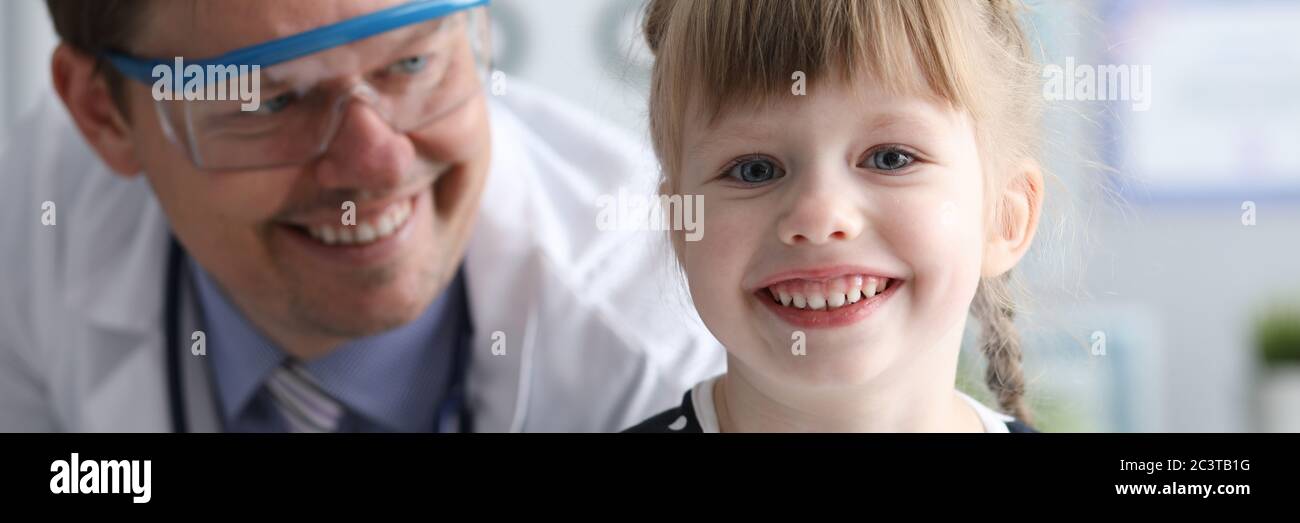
(26, 40)
(1147, 286)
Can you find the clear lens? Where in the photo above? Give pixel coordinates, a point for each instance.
(410, 76)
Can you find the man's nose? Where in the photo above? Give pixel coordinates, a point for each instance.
(824, 209)
(365, 153)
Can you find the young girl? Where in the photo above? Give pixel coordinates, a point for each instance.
(870, 178)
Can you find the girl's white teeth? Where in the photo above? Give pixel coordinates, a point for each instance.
(816, 302)
(854, 295)
(385, 225)
(825, 295)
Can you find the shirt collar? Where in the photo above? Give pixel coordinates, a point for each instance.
(395, 378)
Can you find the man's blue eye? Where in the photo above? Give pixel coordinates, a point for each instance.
(890, 159)
(755, 171)
(410, 64)
(276, 104)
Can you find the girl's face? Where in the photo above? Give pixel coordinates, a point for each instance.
(844, 232)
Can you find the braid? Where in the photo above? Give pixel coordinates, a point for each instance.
(994, 304)
(1000, 344)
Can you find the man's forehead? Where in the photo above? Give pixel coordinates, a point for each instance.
(206, 28)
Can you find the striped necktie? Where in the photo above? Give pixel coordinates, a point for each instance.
(301, 400)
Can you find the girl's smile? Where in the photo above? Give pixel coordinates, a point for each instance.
(826, 297)
(854, 215)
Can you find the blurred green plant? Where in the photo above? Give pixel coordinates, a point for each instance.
(1277, 335)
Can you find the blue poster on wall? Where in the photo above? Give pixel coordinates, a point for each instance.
(1223, 116)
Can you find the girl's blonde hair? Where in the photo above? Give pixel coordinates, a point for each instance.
(719, 55)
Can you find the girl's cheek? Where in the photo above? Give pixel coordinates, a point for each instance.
(716, 260)
(730, 227)
(939, 236)
(704, 277)
(927, 223)
(715, 265)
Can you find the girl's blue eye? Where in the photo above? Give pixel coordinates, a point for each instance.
(755, 171)
(410, 64)
(889, 159)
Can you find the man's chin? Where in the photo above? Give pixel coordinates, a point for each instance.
(361, 321)
(358, 312)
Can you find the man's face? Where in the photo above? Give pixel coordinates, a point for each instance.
(252, 229)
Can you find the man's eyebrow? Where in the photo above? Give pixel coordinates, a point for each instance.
(271, 84)
(407, 38)
(415, 34)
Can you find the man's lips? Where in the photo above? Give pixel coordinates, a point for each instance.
(365, 210)
(364, 245)
(369, 226)
(369, 208)
(384, 228)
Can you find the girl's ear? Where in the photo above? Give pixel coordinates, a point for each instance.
(86, 95)
(1015, 220)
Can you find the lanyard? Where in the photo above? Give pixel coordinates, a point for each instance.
(453, 414)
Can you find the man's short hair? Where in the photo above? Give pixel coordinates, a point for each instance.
(96, 26)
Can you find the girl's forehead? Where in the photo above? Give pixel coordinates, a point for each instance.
(872, 105)
(861, 86)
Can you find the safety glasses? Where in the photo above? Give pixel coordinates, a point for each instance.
(280, 103)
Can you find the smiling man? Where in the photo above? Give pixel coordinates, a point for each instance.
(380, 245)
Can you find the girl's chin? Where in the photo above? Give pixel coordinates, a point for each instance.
(841, 360)
(854, 341)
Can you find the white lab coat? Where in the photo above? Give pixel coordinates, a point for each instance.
(597, 333)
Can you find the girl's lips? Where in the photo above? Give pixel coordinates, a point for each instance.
(822, 273)
(827, 318)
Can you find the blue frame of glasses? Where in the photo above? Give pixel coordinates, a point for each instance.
(308, 42)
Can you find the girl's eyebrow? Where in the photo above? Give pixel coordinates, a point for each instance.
(900, 120)
(715, 138)
(880, 122)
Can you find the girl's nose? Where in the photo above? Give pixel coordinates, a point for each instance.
(823, 211)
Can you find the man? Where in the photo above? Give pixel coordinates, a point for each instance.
(377, 245)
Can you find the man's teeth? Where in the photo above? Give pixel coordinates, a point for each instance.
(829, 294)
(364, 232)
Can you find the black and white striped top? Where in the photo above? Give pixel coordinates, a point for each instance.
(696, 414)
